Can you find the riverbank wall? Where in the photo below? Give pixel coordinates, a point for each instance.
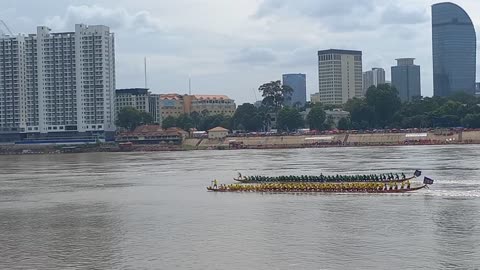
(263, 142)
(336, 140)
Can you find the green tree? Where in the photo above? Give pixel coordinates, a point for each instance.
(316, 117)
(146, 118)
(464, 98)
(169, 122)
(416, 121)
(471, 121)
(329, 123)
(130, 118)
(212, 121)
(420, 112)
(185, 122)
(446, 121)
(289, 119)
(344, 124)
(196, 119)
(362, 115)
(275, 94)
(247, 117)
(385, 102)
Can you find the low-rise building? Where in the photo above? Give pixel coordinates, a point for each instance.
(161, 106)
(140, 99)
(217, 133)
(171, 105)
(152, 134)
(336, 115)
(137, 98)
(213, 104)
(176, 105)
(315, 98)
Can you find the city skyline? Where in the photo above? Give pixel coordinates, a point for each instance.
(254, 38)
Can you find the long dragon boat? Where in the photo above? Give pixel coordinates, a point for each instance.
(381, 178)
(357, 187)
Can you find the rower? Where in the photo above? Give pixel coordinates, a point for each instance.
(215, 183)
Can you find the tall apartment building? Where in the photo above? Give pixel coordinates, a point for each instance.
(12, 84)
(406, 79)
(340, 75)
(373, 77)
(58, 82)
(298, 83)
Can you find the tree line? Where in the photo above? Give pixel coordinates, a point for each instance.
(381, 108)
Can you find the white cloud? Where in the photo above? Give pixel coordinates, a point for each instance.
(254, 56)
(395, 14)
(116, 18)
(342, 15)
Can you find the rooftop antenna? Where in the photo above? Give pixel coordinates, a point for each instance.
(145, 70)
(189, 86)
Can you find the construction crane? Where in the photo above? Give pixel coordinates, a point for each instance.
(6, 28)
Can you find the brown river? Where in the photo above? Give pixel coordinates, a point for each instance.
(151, 211)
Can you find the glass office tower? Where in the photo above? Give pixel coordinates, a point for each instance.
(454, 50)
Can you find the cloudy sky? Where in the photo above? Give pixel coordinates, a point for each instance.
(231, 46)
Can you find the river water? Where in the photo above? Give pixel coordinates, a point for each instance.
(151, 211)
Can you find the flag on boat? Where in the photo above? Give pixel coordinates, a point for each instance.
(417, 173)
(427, 181)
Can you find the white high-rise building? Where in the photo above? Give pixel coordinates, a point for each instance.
(12, 84)
(373, 77)
(340, 75)
(58, 82)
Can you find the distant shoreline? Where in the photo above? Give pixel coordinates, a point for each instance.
(261, 142)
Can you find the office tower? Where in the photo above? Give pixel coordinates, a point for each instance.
(340, 75)
(373, 77)
(406, 79)
(298, 82)
(454, 50)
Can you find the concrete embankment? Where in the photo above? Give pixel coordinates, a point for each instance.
(375, 139)
(264, 142)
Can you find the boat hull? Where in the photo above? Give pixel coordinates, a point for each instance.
(293, 190)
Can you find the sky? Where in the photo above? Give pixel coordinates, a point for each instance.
(232, 47)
